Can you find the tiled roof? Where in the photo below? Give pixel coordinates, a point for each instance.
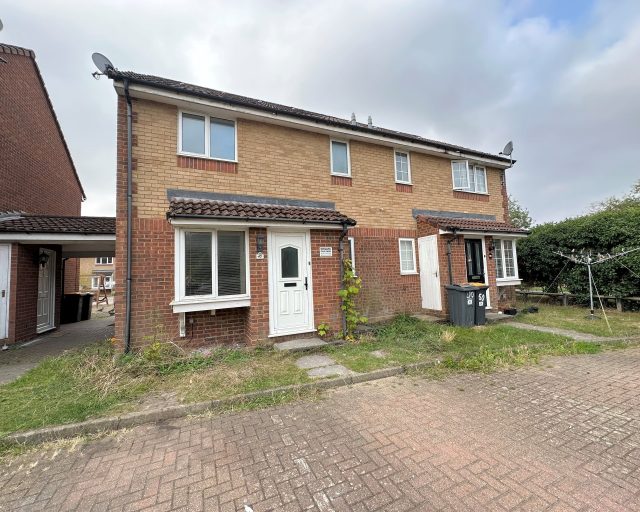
(234, 99)
(52, 224)
(188, 207)
(468, 224)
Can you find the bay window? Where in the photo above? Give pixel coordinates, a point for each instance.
(207, 136)
(211, 265)
(468, 177)
(504, 251)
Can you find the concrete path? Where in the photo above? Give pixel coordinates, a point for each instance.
(18, 360)
(564, 435)
(578, 336)
(319, 366)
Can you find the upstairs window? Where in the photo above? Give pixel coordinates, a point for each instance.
(340, 160)
(403, 169)
(207, 136)
(505, 256)
(468, 177)
(104, 260)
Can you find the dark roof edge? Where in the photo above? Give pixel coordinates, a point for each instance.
(348, 221)
(453, 215)
(313, 116)
(275, 201)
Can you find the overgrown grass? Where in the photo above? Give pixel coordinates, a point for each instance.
(96, 381)
(575, 318)
(407, 340)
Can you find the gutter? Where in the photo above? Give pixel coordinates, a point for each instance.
(127, 318)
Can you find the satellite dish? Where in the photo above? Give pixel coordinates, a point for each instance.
(0, 25)
(101, 62)
(508, 149)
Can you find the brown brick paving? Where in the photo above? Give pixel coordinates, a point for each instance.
(563, 436)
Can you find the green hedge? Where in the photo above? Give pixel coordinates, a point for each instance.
(602, 232)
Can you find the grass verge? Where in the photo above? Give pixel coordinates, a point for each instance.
(576, 319)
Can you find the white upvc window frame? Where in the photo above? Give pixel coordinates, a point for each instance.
(341, 141)
(202, 302)
(352, 253)
(413, 254)
(107, 286)
(507, 280)
(470, 167)
(395, 168)
(109, 260)
(207, 136)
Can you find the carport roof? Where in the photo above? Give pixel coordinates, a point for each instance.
(25, 223)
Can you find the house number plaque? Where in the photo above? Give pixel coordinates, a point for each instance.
(326, 252)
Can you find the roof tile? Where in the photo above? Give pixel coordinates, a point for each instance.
(53, 224)
(189, 207)
(468, 224)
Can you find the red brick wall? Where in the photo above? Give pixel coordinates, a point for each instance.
(71, 275)
(385, 292)
(24, 291)
(37, 174)
(326, 278)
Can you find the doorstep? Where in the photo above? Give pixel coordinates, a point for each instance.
(299, 344)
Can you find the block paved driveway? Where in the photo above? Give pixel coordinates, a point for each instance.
(564, 435)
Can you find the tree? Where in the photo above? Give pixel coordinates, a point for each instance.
(613, 203)
(518, 215)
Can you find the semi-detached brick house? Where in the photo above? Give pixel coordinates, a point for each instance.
(239, 206)
(41, 231)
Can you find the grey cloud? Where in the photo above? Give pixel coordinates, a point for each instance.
(473, 73)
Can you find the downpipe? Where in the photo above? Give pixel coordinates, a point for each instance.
(343, 234)
(127, 317)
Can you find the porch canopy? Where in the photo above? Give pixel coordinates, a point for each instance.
(472, 226)
(79, 237)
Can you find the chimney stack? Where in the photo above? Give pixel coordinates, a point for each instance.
(353, 118)
(370, 122)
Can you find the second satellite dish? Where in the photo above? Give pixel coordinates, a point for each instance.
(101, 62)
(508, 149)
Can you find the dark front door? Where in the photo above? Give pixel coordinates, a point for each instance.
(475, 261)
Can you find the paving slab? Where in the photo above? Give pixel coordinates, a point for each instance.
(314, 361)
(330, 371)
(299, 344)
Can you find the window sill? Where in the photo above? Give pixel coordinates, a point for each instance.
(470, 192)
(404, 187)
(414, 273)
(345, 181)
(205, 157)
(471, 196)
(188, 305)
(508, 281)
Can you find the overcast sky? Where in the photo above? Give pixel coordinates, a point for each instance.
(559, 77)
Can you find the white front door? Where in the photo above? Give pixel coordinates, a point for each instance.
(429, 273)
(290, 283)
(46, 292)
(5, 254)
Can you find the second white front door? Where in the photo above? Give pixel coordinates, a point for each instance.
(429, 273)
(290, 280)
(5, 255)
(46, 290)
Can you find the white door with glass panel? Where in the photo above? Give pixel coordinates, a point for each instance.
(4, 291)
(429, 273)
(46, 290)
(290, 272)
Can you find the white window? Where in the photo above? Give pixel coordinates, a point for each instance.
(340, 159)
(506, 260)
(407, 256)
(469, 177)
(403, 167)
(212, 264)
(352, 253)
(207, 136)
(104, 260)
(95, 282)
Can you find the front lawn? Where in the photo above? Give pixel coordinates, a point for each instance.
(576, 319)
(97, 381)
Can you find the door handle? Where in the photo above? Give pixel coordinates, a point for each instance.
(306, 283)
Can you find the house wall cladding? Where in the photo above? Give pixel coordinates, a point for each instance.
(24, 291)
(37, 173)
(152, 318)
(296, 164)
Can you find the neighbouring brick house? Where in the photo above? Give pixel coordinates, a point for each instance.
(240, 206)
(93, 269)
(41, 231)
